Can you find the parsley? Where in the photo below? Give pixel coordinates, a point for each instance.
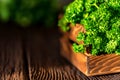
(101, 20)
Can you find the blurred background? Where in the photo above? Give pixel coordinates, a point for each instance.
(29, 13)
(29, 36)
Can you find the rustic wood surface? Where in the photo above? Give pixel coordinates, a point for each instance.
(45, 62)
(11, 55)
(34, 54)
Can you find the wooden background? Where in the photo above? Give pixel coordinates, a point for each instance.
(34, 54)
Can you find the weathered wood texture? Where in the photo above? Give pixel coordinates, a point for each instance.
(46, 63)
(11, 55)
(88, 64)
(103, 64)
(43, 54)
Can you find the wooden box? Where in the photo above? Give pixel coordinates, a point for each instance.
(88, 64)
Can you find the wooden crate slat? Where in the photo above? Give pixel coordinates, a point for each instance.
(90, 65)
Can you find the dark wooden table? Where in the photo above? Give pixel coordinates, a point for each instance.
(34, 54)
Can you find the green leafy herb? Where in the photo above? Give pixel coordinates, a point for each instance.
(80, 36)
(101, 20)
(78, 48)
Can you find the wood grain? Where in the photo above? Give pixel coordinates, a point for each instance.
(104, 64)
(43, 61)
(46, 63)
(90, 65)
(11, 55)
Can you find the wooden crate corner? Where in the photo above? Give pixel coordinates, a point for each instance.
(90, 65)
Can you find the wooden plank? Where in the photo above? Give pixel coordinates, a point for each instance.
(104, 64)
(46, 63)
(11, 55)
